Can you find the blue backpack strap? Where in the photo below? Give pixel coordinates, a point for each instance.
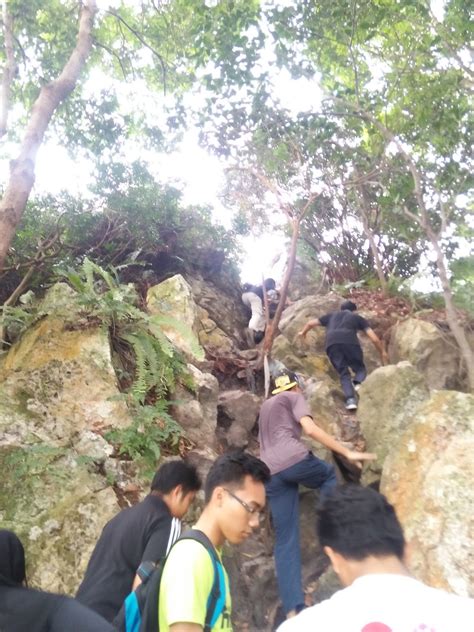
(217, 596)
(133, 615)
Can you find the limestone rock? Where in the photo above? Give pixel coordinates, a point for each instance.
(297, 315)
(432, 351)
(389, 397)
(222, 307)
(237, 412)
(428, 477)
(321, 396)
(197, 412)
(173, 298)
(56, 383)
(214, 340)
(58, 506)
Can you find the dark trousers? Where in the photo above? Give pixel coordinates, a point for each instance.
(283, 497)
(343, 358)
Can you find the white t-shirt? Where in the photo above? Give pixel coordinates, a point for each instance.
(386, 603)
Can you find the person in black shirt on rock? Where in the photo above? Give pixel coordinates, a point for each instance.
(343, 346)
(143, 533)
(24, 609)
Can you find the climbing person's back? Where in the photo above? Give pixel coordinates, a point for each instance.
(342, 327)
(143, 533)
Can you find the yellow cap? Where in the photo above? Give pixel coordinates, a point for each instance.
(284, 382)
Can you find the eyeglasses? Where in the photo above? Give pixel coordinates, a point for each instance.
(254, 511)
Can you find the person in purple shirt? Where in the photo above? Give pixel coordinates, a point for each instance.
(282, 420)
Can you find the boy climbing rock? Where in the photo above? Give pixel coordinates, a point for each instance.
(343, 347)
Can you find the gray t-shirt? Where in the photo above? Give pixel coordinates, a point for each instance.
(279, 430)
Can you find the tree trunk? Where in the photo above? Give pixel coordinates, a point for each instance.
(424, 222)
(364, 211)
(9, 68)
(458, 332)
(22, 170)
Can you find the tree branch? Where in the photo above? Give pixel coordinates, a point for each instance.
(145, 44)
(22, 170)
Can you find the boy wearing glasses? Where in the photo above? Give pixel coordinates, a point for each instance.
(282, 420)
(234, 498)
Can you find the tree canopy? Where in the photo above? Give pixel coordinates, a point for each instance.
(380, 159)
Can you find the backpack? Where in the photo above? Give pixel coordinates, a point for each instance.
(140, 610)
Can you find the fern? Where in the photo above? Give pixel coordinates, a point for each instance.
(152, 431)
(147, 354)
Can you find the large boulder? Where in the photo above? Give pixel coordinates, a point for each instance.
(297, 315)
(389, 398)
(56, 382)
(237, 413)
(432, 351)
(223, 307)
(174, 300)
(57, 504)
(428, 477)
(212, 338)
(196, 411)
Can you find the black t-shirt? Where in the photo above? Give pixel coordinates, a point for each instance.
(27, 610)
(141, 533)
(342, 327)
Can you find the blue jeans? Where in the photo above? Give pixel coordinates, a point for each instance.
(283, 497)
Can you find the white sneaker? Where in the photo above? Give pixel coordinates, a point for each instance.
(351, 403)
(356, 386)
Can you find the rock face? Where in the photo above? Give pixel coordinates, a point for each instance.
(55, 383)
(57, 394)
(431, 351)
(222, 314)
(428, 477)
(173, 298)
(57, 504)
(237, 414)
(389, 398)
(197, 412)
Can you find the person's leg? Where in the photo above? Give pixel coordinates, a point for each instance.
(284, 505)
(337, 357)
(257, 321)
(313, 473)
(355, 359)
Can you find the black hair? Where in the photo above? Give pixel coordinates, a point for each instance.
(269, 284)
(349, 305)
(175, 473)
(12, 559)
(358, 522)
(233, 467)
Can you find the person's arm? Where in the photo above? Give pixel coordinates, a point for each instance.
(309, 325)
(378, 344)
(158, 545)
(186, 627)
(325, 439)
(136, 582)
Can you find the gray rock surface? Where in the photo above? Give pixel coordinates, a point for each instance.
(428, 476)
(196, 411)
(432, 352)
(389, 398)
